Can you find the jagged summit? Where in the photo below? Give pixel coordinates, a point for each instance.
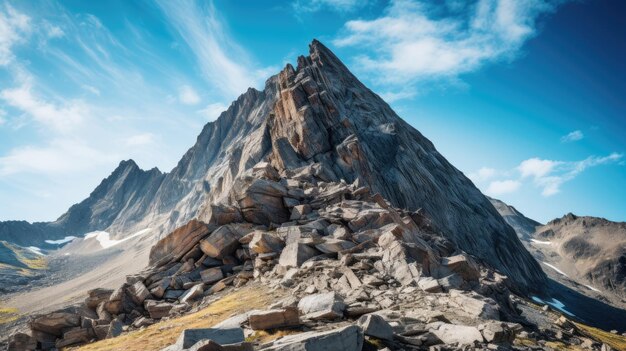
(317, 117)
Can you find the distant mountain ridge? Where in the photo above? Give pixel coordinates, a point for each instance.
(317, 115)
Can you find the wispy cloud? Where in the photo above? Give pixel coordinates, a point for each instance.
(141, 139)
(300, 6)
(417, 40)
(224, 64)
(499, 187)
(572, 136)
(188, 96)
(14, 27)
(213, 111)
(64, 117)
(546, 175)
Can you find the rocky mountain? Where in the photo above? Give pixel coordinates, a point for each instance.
(587, 254)
(589, 249)
(121, 198)
(317, 115)
(523, 226)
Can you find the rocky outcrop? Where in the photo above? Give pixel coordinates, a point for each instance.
(523, 226)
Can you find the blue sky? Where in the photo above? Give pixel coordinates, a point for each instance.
(525, 97)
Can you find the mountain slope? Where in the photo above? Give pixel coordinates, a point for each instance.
(591, 250)
(523, 226)
(120, 198)
(321, 117)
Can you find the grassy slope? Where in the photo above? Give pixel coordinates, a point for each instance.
(165, 333)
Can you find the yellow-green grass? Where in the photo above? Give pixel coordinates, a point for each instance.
(616, 341)
(8, 314)
(165, 333)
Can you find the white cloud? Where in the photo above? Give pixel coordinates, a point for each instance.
(188, 96)
(14, 26)
(483, 174)
(551, 175)
(213, 111)
(62, 117)
(91, 89)
(221, 60)
(537, 167)
(52, 31)
(141, 139)
(3, 115)
(547, 175)
(500, 187)
(61, 156)
(417, 40)
(335, 5)
(572, 136)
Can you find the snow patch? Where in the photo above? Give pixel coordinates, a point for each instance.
(105, 240)
(36, 250)
(67, 239)
(592, 288)
(556, 269)
(541, 242)
(554, 303)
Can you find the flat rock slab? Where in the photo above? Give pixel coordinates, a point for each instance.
(349, 338)
(190, 337)
(452, 333)
(322, 306)
(376, 326)
(271, 319)
(176, 244)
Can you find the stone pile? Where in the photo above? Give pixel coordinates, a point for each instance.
(358, 270)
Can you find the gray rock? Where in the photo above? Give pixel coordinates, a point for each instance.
(321, 306)
(263, 242)
(192, 294)
(55, 323)
(375, 326)
(176, 244)
(139, 292)
(158, 310)
(348, 338)
(212, 275)
(190, 337)
(452, 333)
(294, 254)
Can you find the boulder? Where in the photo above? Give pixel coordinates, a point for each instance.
(224, 336)
(177, 243)
(139, 293)
(322, 306)
(96, 296)
(452, 333)
(475, 305)
(300, 212)
(332, 245)
(222, 242)
(375, 326)
(263, 242)
(261, 200)
(74, 336)
(192, 294)
(429, 284)
(212, 275)
(348, 338)
(497, 332)
(156, 309)
(461, 265)
(271, 319)
(294, 254)
(21, 342)
(55, 323)
(115, 328)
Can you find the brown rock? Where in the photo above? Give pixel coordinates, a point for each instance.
(271, 319)
(220, 243)
(177, 243)
(212, 275)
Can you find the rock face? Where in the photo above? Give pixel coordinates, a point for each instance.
(523, 226)
(591, 250)
(317, 118)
